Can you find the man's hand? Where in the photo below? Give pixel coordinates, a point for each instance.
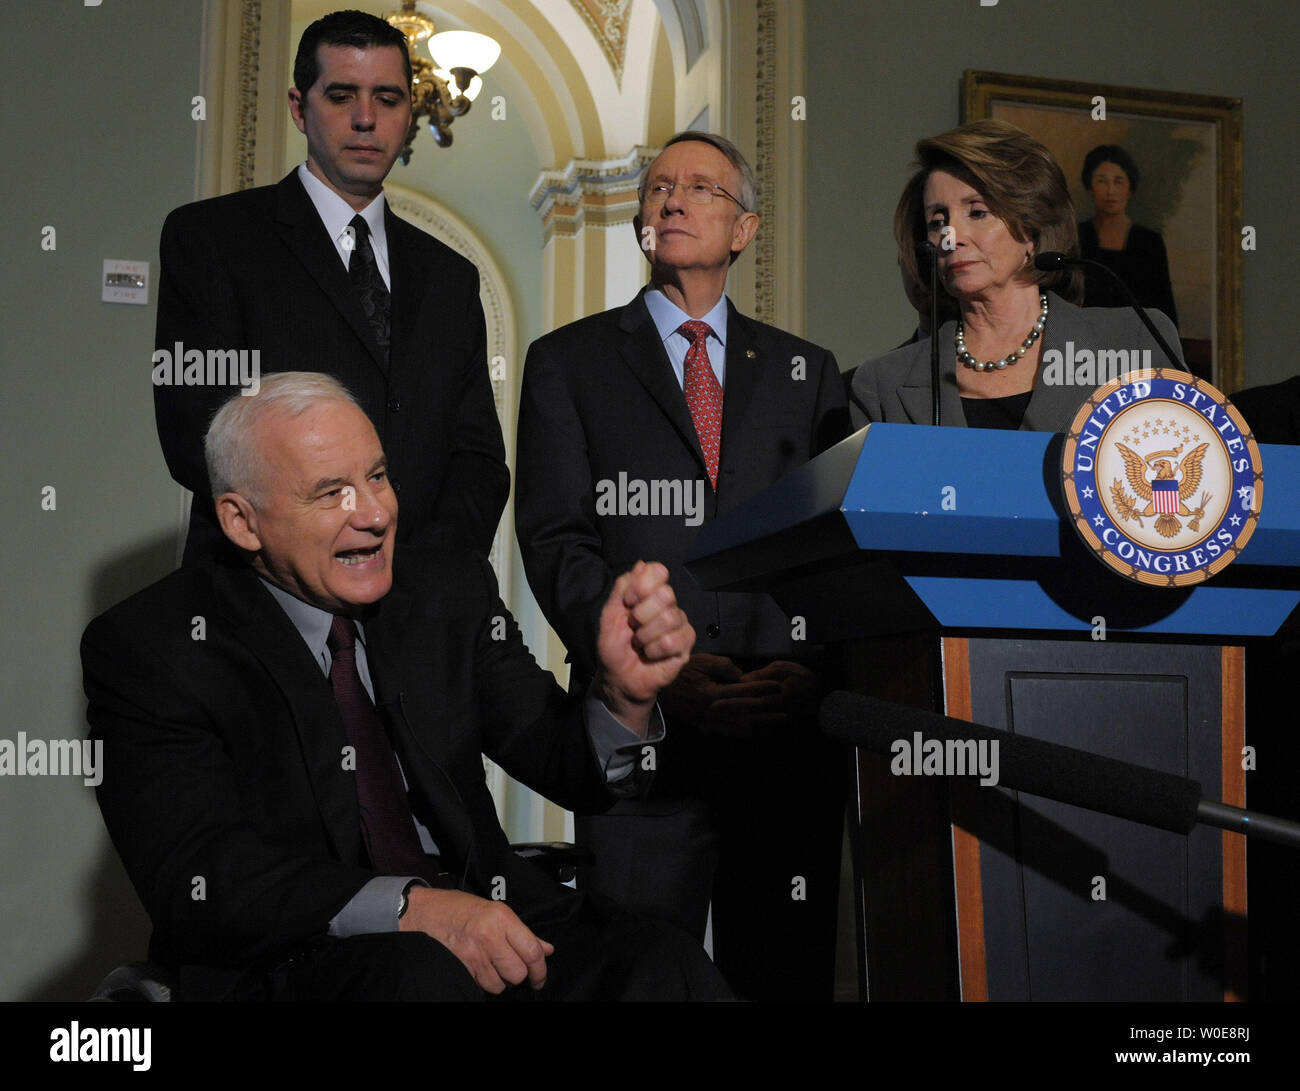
(644, 642)
(792, 690)
(494, 944)
(711, 691)
(705, 680)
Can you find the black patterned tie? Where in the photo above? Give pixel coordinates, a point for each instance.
(386, 823)
(366, 279)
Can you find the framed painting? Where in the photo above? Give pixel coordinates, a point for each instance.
(1184, 202)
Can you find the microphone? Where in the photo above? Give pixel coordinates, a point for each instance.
(929, 254)
(1052, 260)
(1053, 771)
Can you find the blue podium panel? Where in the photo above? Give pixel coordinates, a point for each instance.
(972, 523)
(952, 490)
(907, 529)
(1025, 605)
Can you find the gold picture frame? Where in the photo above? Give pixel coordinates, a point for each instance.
(1190, 187)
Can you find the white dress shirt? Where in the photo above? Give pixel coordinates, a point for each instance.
(336, 214)
(667, 317)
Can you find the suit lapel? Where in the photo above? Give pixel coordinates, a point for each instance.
(914, 394)
(266, 631)
(410, 283)
(1050, 405)
(644, 354)
(303, 233)
(744, 366)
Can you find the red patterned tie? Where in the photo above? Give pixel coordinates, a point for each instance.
(703, 394)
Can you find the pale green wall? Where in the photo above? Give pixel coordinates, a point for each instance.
(881, 75)
(99, 144)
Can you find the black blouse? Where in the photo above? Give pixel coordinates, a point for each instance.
(1005, 412)
(1143, 265)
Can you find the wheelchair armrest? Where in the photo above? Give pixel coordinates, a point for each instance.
(559, 859)
(136, 982)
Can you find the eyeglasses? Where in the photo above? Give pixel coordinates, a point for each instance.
(698, 193)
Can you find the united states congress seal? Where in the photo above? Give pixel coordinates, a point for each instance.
(1162, 477)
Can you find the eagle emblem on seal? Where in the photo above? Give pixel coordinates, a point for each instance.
(1156, 479)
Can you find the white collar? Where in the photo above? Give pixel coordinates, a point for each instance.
(335, 213)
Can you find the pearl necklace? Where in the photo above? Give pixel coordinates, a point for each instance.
(990, 365)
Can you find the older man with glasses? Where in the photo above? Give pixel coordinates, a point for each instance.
(635, 426)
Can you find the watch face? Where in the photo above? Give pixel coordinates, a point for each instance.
(404, 901)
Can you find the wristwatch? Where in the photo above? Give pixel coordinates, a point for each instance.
(404, 901)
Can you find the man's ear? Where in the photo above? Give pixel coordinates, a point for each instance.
(296, 107)
(646, 251)
(744, 231)
(238, 519)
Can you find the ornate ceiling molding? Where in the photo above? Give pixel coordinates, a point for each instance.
(608, 20)
(250, 27)
(595, 192)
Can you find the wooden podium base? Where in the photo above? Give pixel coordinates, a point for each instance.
(977, 893)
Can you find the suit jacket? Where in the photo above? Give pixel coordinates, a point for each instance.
(896, 386)
(224, 789)
(599, 399)
(257, 270)
(1273, 411)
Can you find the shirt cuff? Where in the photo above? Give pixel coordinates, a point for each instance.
(620, 751)
(374, 907)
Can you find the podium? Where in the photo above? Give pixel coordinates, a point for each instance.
(944, 563)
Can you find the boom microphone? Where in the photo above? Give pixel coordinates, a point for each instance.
(1047, 769)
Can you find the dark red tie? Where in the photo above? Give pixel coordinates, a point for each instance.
(386, 823)
(703, 394)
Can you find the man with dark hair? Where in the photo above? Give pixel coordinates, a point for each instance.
(353, 28)
(317, 272)
(680, 394)
(297, 792)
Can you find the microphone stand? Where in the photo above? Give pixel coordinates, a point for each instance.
(931, 253)
(1053, 260)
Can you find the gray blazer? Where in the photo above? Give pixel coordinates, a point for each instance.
(896, 387)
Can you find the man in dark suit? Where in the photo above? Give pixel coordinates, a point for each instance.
(317, 273)
(293, 743)
(636, 426)
(1272, 413)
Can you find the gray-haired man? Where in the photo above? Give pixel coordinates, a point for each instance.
(293, 743)
(680, 396)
